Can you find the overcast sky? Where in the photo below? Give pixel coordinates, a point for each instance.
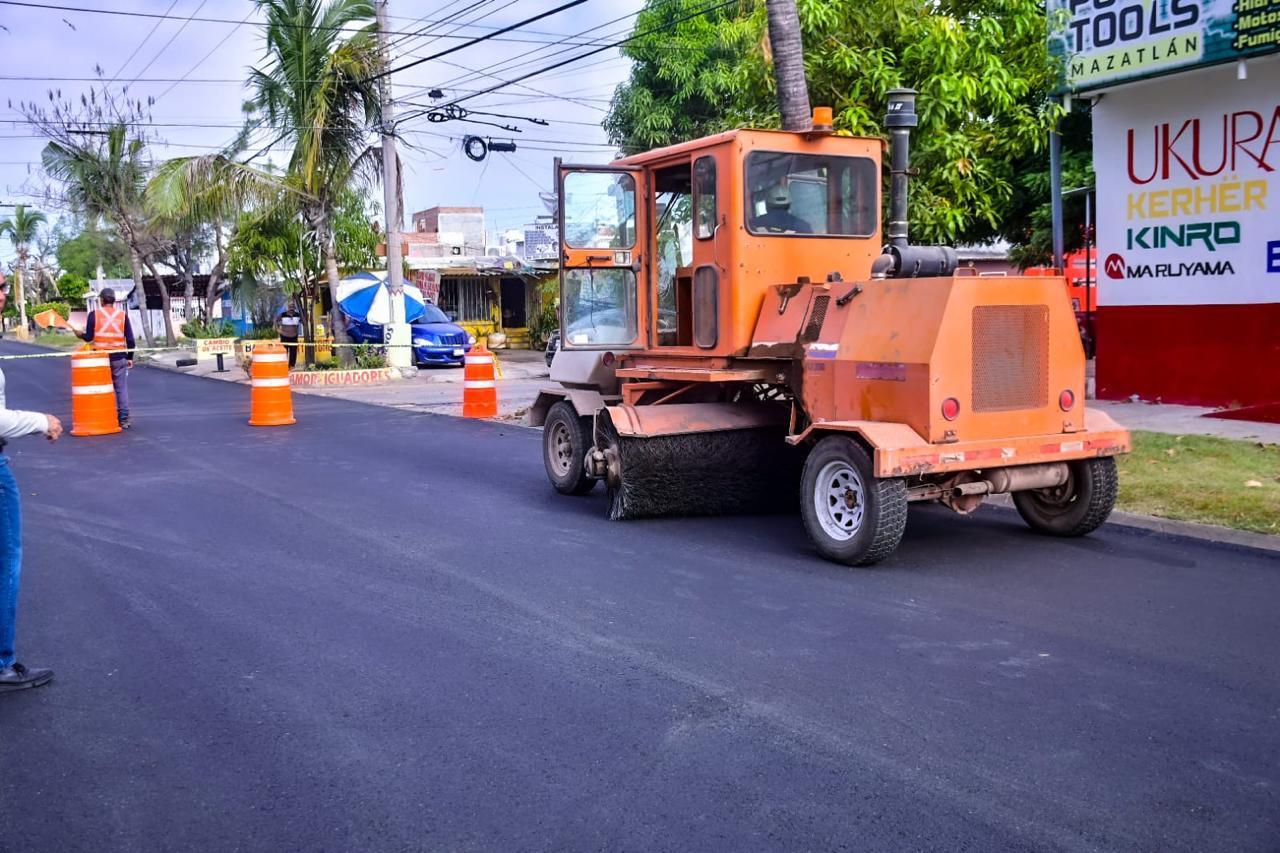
(44, 43)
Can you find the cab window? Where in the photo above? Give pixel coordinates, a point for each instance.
(599, 305)
(599, 210)
(813, 194)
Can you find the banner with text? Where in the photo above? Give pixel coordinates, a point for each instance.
(1103, 42)
(1189, 193)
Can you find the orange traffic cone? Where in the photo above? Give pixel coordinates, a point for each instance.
(93, 397)
(479, 391)
(270, 397)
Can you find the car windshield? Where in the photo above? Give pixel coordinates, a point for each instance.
(433, 315)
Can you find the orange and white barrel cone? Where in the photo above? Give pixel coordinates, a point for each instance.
(479, 389)
(270, 396)
(93, 397)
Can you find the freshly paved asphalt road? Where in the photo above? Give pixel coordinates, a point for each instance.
(380, 630)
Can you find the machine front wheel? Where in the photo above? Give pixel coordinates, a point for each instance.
(565, 439)
(851, 516)
(1078, 506)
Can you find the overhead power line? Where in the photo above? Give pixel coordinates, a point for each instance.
(502, 85)
(480, 39)
(145, 39)
(232, 21)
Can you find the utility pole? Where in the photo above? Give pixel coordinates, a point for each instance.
(398, 334)
(22, 306)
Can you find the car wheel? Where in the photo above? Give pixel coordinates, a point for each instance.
(851, 516)
(1077, 507)
(565, 440)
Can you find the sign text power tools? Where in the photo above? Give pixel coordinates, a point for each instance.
(1103, 42)
(1189, 195)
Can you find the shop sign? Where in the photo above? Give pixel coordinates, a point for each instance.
(207, 348)
(1100, 43)
(330, 378)
(1191, 210)
(428, 281)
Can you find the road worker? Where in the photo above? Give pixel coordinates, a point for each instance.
(14, 424)
(109, 329)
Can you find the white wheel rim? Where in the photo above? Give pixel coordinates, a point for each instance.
(839, 500)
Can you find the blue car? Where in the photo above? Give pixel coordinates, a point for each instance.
(436, 338)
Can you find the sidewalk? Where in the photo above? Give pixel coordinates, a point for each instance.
(1184, 420)
(431, 389)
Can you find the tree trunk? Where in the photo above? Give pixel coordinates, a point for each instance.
(215, 275)
(144, 315)
(788, 65)
(170, 338)
(339, 328)
(188, 290)
(306, 302)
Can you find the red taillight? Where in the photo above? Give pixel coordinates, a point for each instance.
(950, 408)
(1066, 400)
(607, 359)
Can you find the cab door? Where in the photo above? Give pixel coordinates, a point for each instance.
(603, 228)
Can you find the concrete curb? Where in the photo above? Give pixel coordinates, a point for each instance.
(1188, 529)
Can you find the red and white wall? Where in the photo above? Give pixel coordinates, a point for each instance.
(1188, 230)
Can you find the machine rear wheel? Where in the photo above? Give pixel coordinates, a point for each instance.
(1078, 506)
(851, 516)
(565, 440)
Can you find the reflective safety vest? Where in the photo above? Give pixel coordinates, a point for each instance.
(108, 328)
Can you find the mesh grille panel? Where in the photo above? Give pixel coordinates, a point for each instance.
(819, 313)
(1010, 357)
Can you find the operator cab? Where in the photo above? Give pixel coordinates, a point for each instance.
(671, 252)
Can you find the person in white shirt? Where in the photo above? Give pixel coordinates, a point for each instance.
(288, 325)
(15, 424)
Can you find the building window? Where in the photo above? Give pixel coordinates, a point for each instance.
(468, 298)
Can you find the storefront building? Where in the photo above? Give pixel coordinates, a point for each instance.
(1186, 150)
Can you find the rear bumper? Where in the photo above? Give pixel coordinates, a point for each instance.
(901, 452)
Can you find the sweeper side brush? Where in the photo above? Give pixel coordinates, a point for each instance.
(700, 473)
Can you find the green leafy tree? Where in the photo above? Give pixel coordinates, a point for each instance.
(104, 174)
(981, 66)
(72, 288)
(1029, 218)
(82, 253)
(275, 246)
(22, 229)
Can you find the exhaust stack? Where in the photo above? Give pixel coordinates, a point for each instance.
(900, 119)
(900, 259)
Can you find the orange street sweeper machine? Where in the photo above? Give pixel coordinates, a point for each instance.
(736, 331)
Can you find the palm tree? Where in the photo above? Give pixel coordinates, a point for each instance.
(108, 180)
(316, 92)
(22, 230)
(788, 64)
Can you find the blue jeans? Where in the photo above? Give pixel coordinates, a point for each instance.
(120, 379)
(10, 558)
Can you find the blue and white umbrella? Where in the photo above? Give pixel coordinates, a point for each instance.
(364, 297)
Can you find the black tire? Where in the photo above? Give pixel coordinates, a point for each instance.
(566, 437)
(1078, 507)
(875, 533)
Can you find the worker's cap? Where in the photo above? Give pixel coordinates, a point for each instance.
(107, 295)
(779, 196)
